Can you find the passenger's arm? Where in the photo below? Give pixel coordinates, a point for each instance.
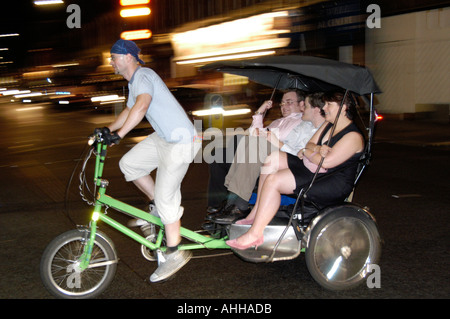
(273, 139)
(350, 144)
(258, 118)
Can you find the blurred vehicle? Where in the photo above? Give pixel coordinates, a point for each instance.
(71, 101)
(219, 110)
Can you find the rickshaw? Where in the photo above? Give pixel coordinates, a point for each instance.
(341, 243)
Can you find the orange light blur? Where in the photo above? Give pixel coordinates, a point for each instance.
(133, 2)
(135, 12)
(136, 34)
(378, 117)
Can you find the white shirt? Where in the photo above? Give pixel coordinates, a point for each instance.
(298, 137)
(165, 114)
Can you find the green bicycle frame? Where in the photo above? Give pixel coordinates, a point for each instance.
(198, 241)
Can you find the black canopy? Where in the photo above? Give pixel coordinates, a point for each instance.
(303, 72)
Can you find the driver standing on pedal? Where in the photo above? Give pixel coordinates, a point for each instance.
(170, 149)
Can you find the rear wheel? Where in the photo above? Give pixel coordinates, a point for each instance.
(342, 247)
(60, 272)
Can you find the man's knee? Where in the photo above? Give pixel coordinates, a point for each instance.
(269, 167)
(123, 165)
(128, 171)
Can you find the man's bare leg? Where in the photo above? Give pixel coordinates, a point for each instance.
(147, 186)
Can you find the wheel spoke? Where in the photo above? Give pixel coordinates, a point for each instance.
(60, 266)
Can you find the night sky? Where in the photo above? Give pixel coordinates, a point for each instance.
(41, 27)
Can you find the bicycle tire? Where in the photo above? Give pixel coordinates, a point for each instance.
(58, 265)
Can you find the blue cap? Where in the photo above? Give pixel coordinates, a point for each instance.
(125, 47)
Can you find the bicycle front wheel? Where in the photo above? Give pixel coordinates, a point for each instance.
(59, 268)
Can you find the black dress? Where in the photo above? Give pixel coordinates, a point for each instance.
(336, 184)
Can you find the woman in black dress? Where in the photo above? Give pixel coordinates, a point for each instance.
(344, 149)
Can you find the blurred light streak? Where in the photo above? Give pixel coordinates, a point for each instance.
(256, 33)
(260, 46)
(219, 110)
(135, 12)
(12, 92)
(108, 98)
(20, 146)
(18, 96)
(232, 79)
(29, 108)
(121, 99)
(227, 57)
(9, 35)
(133, 2)
(38, 74)
(136, 34)
(65, 65)
(47, 2)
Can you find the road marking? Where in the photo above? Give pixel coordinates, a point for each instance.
(406, 195)
(20, 146)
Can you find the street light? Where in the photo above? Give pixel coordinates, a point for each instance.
(9, 35)
(133, 2)
(136, 34)
(135, 12)
(47, 2)
(139, 9)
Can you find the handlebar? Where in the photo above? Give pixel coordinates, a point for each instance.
(104, 135)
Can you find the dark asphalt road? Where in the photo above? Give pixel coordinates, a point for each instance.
(410, 160)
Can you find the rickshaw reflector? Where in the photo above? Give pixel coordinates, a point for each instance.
(378, 117)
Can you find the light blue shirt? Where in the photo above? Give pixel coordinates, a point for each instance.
(165, 114)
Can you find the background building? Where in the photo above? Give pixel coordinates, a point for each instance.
(410, 58)
(408, 53)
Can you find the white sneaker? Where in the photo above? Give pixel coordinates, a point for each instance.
(170, 265)
(136, 222)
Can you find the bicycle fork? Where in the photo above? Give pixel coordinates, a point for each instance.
(90, 239)
(104, 200)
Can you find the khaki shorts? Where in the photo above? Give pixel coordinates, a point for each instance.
(171, 161)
